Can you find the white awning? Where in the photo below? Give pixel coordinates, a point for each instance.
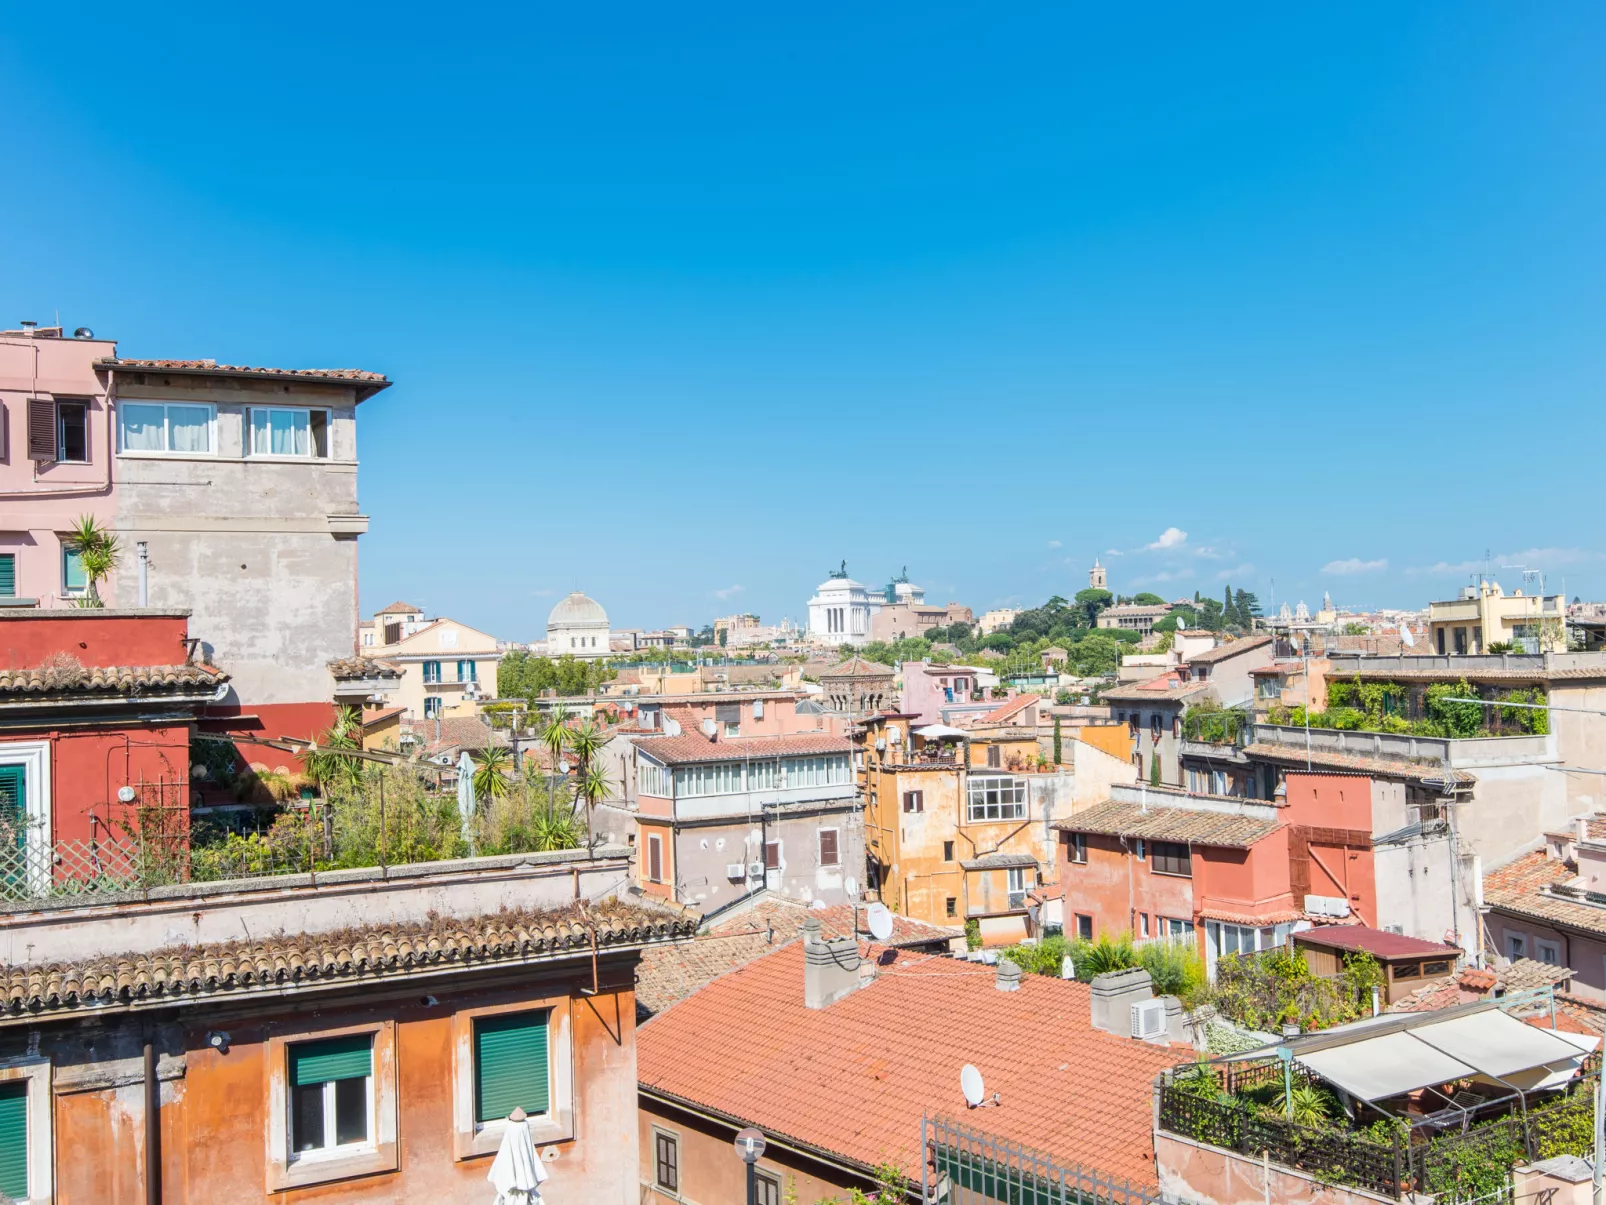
(1488, 1044)
(934, 730)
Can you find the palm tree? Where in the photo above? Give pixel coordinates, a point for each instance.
(555, 734)
(491, 767)
(327, 761)
(586, 741)
(98, 552)
(593, 787)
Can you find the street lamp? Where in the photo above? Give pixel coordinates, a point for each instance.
(750, 1146)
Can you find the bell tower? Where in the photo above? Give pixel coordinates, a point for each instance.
(1095, 576)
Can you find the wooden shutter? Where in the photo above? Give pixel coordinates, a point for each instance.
(655, 859)
(828, 849)
(41, 429)
(350, 1057)
(510, 1065)
(14, 801)
(8, 574)
(772, 855)
(14, 1139)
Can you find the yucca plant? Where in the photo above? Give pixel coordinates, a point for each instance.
(491, 769)
(98, 553)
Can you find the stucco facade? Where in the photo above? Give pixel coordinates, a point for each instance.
(447, 668)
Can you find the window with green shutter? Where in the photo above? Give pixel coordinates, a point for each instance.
(8, 575)
(14, 802)
(331, 1096)
(14, 1139)
(510, 1064)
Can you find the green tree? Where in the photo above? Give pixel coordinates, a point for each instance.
(1229, 611)
(98, 553)
(1059, 751)
(328, 763)
(492, 767)
(1146, 599)
(1090, 602)
(1248, 607)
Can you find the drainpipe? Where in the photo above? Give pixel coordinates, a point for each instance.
(153, 1128)
(144, 549)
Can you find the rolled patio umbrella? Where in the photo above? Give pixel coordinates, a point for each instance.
(465, 796)
(516, 1172)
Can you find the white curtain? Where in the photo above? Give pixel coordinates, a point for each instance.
(142, 428)
(189, 429)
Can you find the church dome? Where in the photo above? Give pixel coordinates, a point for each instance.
(577, 609)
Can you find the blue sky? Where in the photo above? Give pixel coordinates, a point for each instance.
(686, 304)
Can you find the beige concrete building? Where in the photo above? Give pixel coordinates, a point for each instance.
(1484, 615)
(447, 668)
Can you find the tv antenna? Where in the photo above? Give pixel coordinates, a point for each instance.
(970, 1083)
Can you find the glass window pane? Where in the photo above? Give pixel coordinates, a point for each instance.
(351, 1110)
(306, 1117)
(73, 578)
(260, 441)
(189, 429)
(142, 427)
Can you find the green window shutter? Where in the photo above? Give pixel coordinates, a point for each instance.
(14, 800)
(510, 1064)
(8, 575)
(350, 1057)
(14, 1139)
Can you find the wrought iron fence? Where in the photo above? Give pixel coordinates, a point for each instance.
(966, 1166)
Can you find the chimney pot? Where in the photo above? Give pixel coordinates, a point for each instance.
(1008, 977)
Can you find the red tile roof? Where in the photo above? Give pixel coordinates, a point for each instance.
(1193, 826)
(999, 714)
(690, 747)
(236, 370)
(1375, 941)
(1231, 648)
(854, 1079)
(71, 679)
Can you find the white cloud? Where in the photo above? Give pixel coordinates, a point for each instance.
(1055, 544)
(1113, 552)
(1237, 571)
(1209, 552)
(1355, 565)
(1500, 563)
(1181, 575)
(1171, 537)
(729, 592)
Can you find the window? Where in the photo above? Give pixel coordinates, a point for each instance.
(828, 848)
(997, 797)
(1140, 850)
(1431, 969)
(286, 431)
(1175, 928)
(165, 427)
(772, 855)
(1084, 927)
(467, 671)
(8, 575)
(653, 780)
(510, 1065)
(1015, 877)
(763, 776)
(1143, 924)
(666, 1161)
(729, 717)
(995, 756)
(1076, 844)
(1154, 726)
(14, 1139)
(1172, 857)
(432, 671)
(1516, 946)
(1548, 951)
(74, 581)
(947, 851)
(72, 432)
(914, 801)
(432, 707)
(767, 1189)
(331, 1094)
(655, 859)
(723, 778)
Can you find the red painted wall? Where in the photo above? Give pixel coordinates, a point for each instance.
(95, 640)
(269, 720)
(1251, 882)
(1112, 887)
(1334, 813)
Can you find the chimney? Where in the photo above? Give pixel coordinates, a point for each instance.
(1008, 978)
(1114, 994)
(830, 967)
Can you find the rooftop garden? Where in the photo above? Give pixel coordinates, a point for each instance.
(1412, 709)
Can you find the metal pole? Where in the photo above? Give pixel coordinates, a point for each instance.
(752, 1185)
(1600, 1138)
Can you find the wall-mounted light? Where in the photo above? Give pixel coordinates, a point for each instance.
(218, 1041)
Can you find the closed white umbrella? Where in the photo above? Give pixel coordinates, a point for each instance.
(517, 1172)
(465, 795)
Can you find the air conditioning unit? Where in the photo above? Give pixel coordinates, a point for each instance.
(755, 870)
(735, 870)
(1148, 1019)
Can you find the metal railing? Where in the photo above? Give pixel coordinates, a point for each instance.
(966, 1166)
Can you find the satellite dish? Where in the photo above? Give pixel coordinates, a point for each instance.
(1182, 625)
(1408, 640)
(970, 1084)
(880, 922)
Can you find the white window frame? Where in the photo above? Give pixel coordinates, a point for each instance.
(1015, 885)
(41, 1143)
(311, 452)
(34, 758)
(1077, 844)
(61, 430)
(330, 1148)
(473, 1137)
(1012, 809)
(166, 451)
(288, 1169)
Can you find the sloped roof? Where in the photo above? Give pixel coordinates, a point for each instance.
(213, 368)
(670, 973)
(999, 714)
(1231, 648)
(689, 748)
(56, 682)
(346, 669)
(858, 667)
(1116, 819)
(1378, 942)
(269, 965)
(1329, 759)
(1167, 688)
(1522, 889)
(854, 1079)
(397, 608)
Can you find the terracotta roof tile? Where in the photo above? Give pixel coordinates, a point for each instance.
(1197, 827)
(109, 680)
(346, 669)
(1167, 688)
(332, 374)
(274, 963)
(1522, 888)
(691, 747)
(1329, 759)
(999, 714)
(1231, 648)
(856, 1078)
(857, 666)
